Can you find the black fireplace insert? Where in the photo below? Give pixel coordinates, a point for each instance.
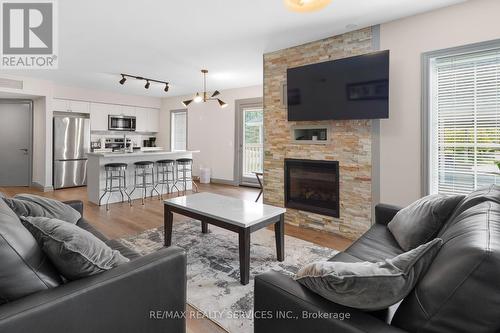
(312, 186)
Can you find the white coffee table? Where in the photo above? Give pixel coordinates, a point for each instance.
(241, 216)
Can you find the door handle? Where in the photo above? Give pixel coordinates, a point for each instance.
(25, 151)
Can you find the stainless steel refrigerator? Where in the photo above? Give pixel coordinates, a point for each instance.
(71, 145)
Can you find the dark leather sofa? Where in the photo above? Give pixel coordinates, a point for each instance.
(459, 293)
(118, 300)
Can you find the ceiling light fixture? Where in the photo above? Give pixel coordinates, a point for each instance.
(148, 81)
(203, 97)
(198, 98)
(304, 6)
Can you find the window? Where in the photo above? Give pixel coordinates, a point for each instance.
(464, 119)
(178, 130)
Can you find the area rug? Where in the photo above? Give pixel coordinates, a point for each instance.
(213, 274)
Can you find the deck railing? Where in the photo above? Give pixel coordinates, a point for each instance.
(252, 159)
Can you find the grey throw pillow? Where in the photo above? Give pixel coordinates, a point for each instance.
(34, 205)
(420, 222)
(366, 285)
(75, 252)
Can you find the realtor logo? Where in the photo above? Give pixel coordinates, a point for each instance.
(28, 34)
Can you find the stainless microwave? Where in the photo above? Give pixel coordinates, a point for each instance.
(121, 123)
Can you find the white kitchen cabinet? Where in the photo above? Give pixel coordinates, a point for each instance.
(65, 105)
(60, 105)
(79, 107)
(154, 120)
(126, 110)
(148, 119)
(141, 118)
(99, 116)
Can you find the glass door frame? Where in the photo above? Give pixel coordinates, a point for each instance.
(240, 106)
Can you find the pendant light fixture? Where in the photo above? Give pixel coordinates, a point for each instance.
(304, 6)
(203, 97)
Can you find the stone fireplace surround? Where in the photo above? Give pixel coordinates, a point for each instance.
(349, 143)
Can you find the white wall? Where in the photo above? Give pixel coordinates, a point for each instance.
(400, 141)
(210, 130)
(74, 93)
(42, 92)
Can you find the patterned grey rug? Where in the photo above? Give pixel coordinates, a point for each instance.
(213, 267)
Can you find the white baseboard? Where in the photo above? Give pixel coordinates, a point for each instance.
(42, 188)
(223, 181)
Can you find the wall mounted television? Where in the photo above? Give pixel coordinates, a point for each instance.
(349, 88)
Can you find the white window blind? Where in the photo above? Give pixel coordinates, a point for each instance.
(465, 121)
(178, 130)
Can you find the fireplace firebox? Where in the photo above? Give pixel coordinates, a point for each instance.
(312, 186)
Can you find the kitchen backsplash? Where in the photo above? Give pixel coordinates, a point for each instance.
(137, 140)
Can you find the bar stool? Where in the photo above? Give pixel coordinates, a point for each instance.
(184, 174)
(115, 171)
(143, 170)
(165, 175)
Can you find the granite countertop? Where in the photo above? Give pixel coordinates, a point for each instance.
(142, 153)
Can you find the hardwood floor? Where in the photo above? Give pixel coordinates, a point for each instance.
(122, 221)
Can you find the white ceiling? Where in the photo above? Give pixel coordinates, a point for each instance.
(172, 40)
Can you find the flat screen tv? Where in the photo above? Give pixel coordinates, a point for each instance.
(349, 88)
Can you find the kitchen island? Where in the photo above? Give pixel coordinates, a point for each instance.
(96, 176)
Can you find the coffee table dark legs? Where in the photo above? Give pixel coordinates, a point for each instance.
(279, 234)
(168, 217)
(244, 240)
(204, 227)
(243, 235)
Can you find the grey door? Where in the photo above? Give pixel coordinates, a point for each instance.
(15, 143)
(250, 129)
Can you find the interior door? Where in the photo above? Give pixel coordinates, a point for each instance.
(251, 142)
(15, 143)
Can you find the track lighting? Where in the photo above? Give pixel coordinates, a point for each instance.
(148, 81)
(198, 98)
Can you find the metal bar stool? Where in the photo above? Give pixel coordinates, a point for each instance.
(184, 174)
(115, 171)
(143, 170)
(165, 175)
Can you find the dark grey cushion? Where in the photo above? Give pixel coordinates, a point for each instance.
(367, 285)
(420, 222)
(24, 268)
(75, 252)
(34, 205)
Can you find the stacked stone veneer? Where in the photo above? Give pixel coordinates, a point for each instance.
(350, 140)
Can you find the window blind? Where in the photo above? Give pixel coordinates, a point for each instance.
(465, 104)
(178, 130)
